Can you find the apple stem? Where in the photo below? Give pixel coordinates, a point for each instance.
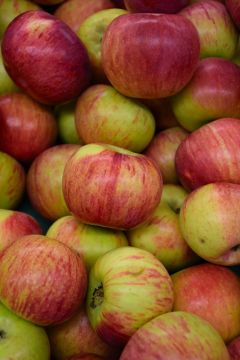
(97, 298)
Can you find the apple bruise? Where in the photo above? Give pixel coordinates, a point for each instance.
(97, 297)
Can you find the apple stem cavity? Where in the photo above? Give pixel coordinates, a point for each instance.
(98, 296)
(3, 335)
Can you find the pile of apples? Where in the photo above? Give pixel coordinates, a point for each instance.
(120, 180)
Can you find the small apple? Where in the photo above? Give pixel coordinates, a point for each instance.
(99, 118)
(234, 348)
(211, 292)
(42, 280)
(176, 336)
(233, 7)
(209, 220)
(153, 6)
(109, 186)
(61, 64)
(89, 241)
(127, 288)
(127, 54)
(44, 181)
(21, 340)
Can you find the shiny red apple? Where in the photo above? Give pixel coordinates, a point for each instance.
(155, 6)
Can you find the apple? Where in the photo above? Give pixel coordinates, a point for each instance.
(161, 234)
(21, 340)
(209, 221)
(65, 115)
(27, 127)
(74, 12)
(139, 54)
(236, 57)
(209, 154)
(212, 93)
(44, 181)
(177, 335)
(61, 64)
(112, 187)
(6, 85)
(153, 6)
(162, 150)
(99, 116)
(233, 7)
(42, 280)
(127, 287)
(234, 348)
(15, 224)
(91, 32)
(211, 292)
(89, 241)
(76, 337)
(12, 181)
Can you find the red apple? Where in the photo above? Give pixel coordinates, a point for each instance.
(27, 128)
(110, 186)
(153, 6)
(150, 55)
(210, 154)
(234, 349)
(42, 280)
(233, 7)
(44, 181)
(74, 12)
(211, 292)
(61, 65)
(162, 150)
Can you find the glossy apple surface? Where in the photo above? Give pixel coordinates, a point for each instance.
(42, 280)
(61, 64)
(121, 188)
(153, 6)
(127, 54)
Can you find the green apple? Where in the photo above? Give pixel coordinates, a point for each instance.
(104, 115)
(20, 339)
(161, 234)
(89, 241)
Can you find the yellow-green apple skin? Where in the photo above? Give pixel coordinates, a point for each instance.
(21, 340)
(162, 150)
(209, 220)
(6, 85)
(176, 336)
(212, 93)
(127, 288)
(110, 186)
(89, 241)
(211, 292)
(76, 336)
(217, 32)
(161, 234)
(15, 224)
(44, 181)
(103, 115)
(91, 32)
(12, 181)
(42, 280)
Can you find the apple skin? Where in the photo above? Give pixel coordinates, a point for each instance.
(89, 241)
(212, 93)
(42, 280)
(121, 188)
(61, 64)
(91, 33)
(15, 224)
(211, 292)
(44, 181)
(6, 85)
(217, 32)
(162, 150)
(49, 2)
(76, 337)
(99, 118)
(153, 6)
(161, 234)
(210, 154)
(74, 12)
(22, 120)
(15, 336)
(176, 335)
(127, 54)
(209, 220)
(12, 181)
(127, 287)
(233, 7)
(234, 348)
